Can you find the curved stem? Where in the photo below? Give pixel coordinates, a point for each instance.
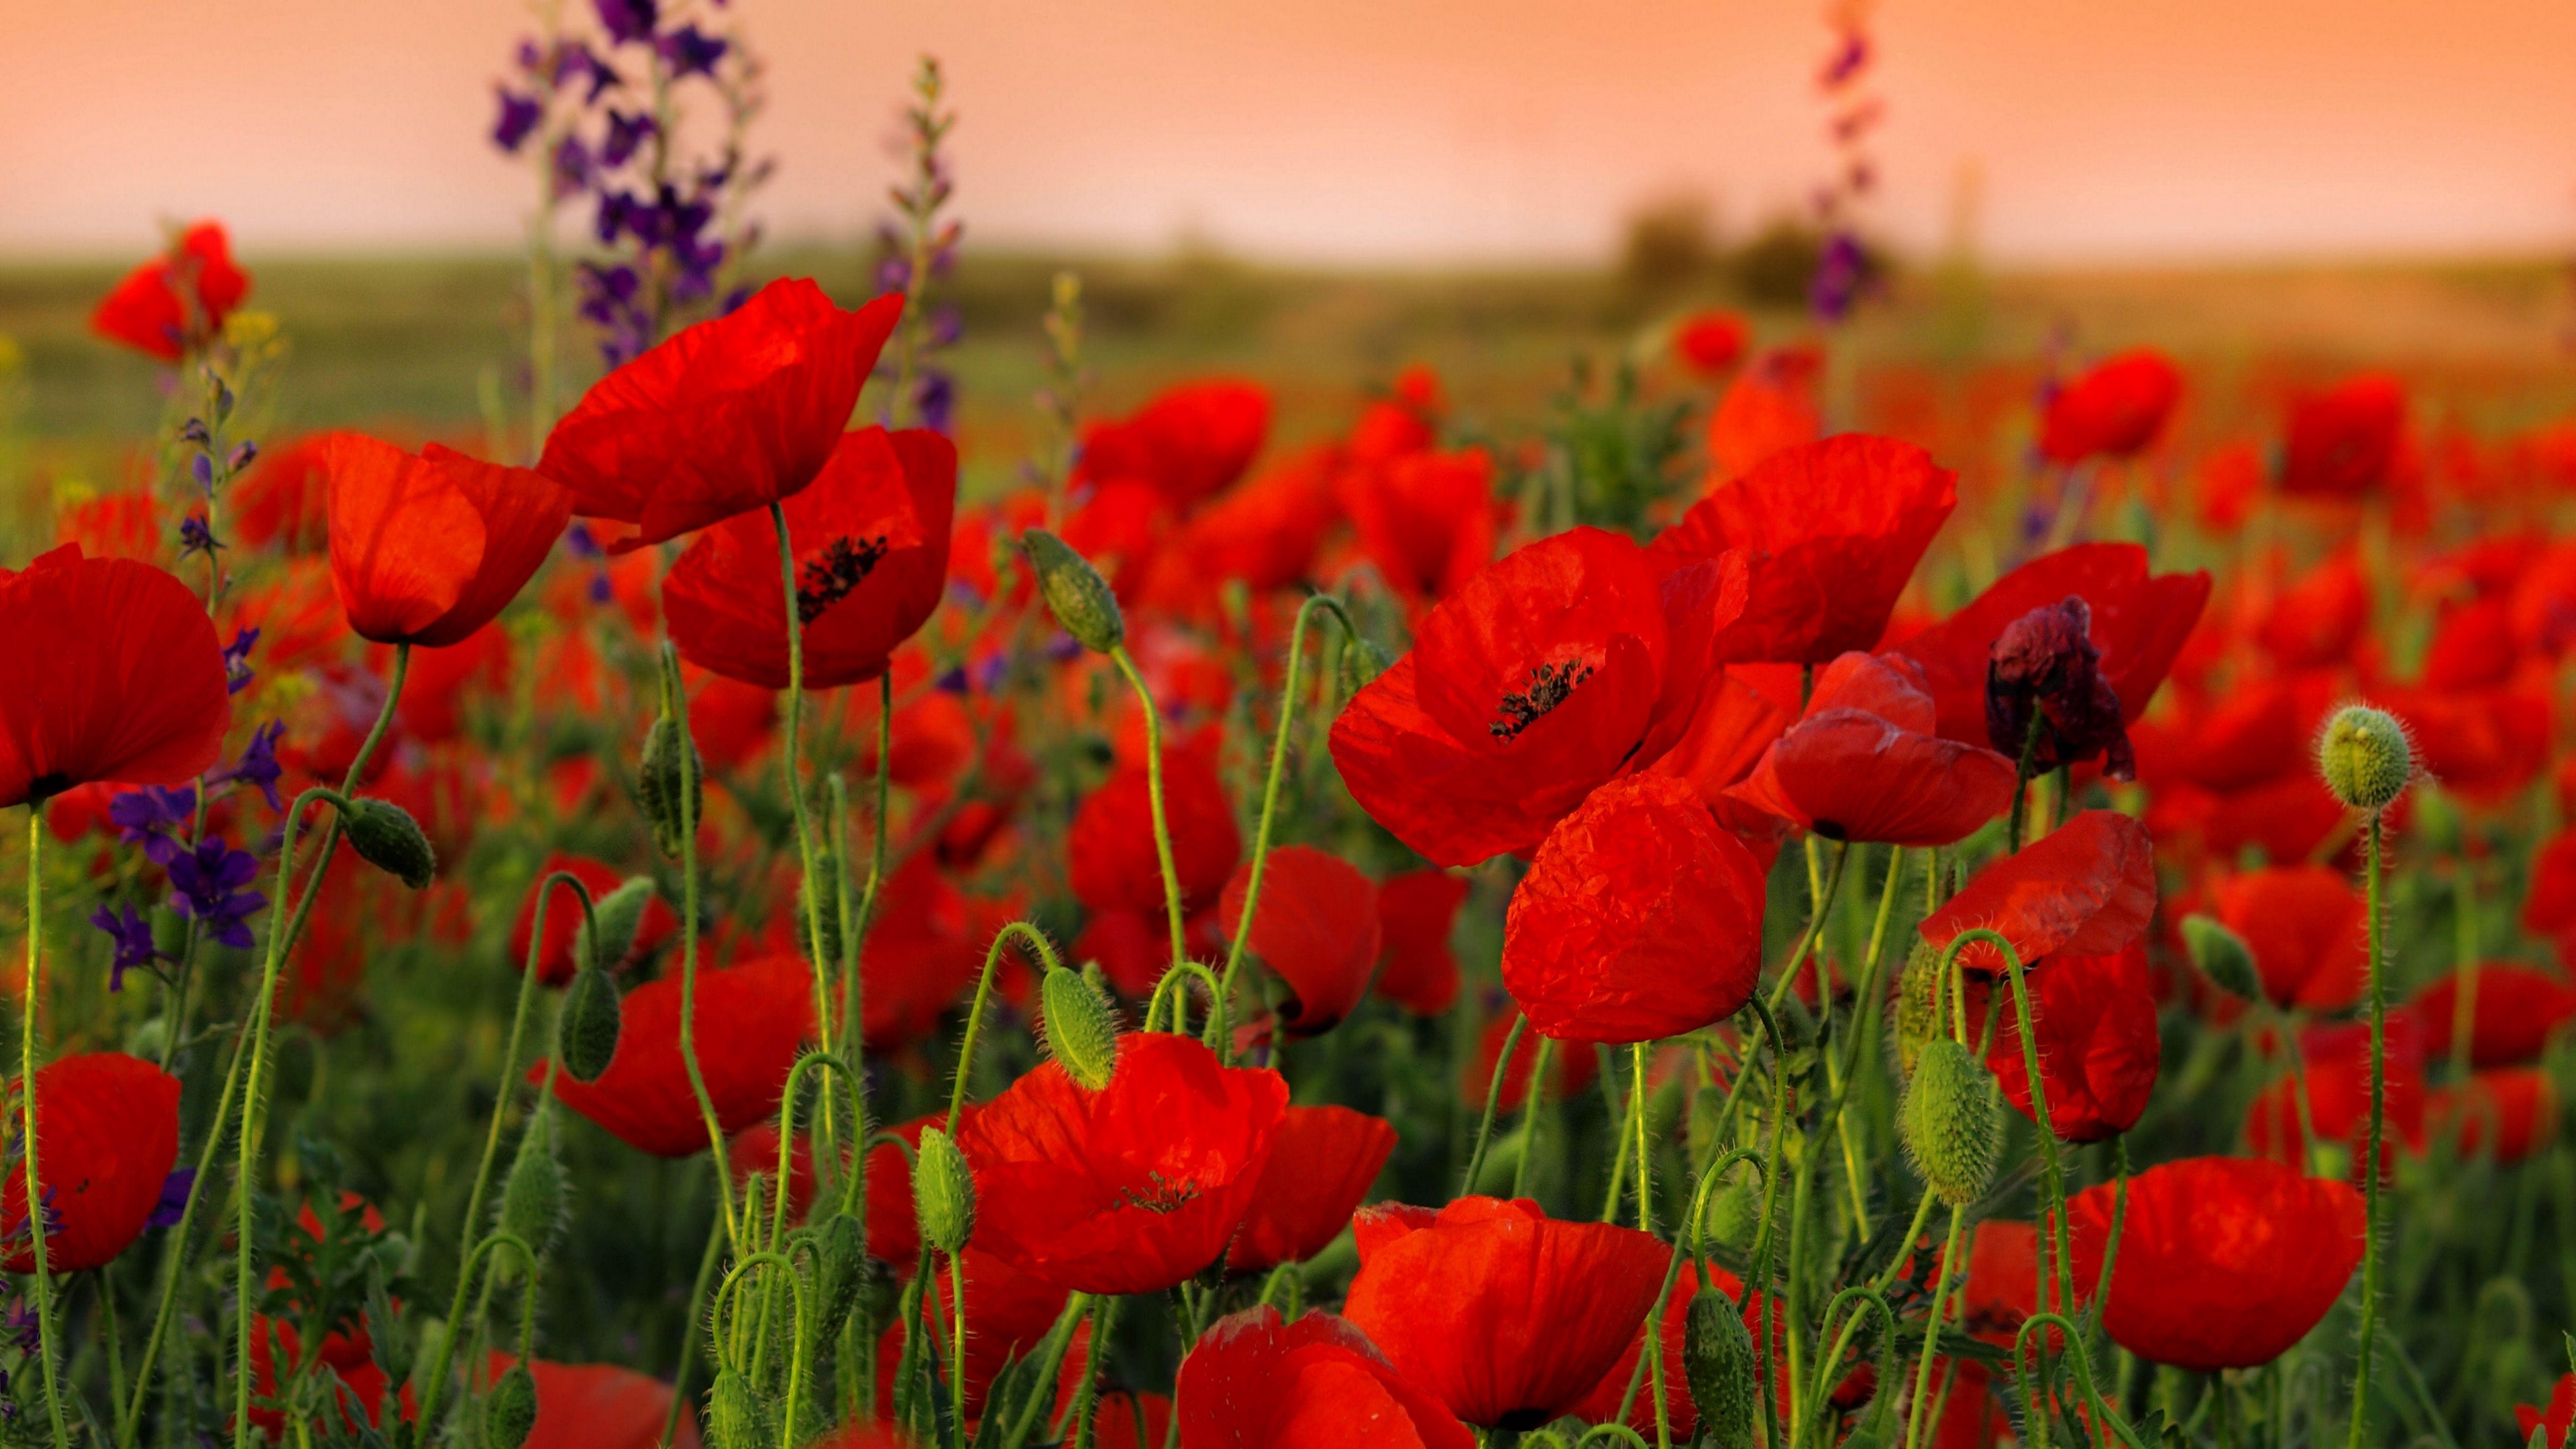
(27, 1088)
(1869, 1298)
(796, 1362)
(787, 1134)
(983, 993)
(2053, 1179)
(675, 704)
(1173, 992)
(1082, 1397)
(790, 765)
(1493, 1101)
(1687, 1245)
(2370, 1162)
(1154, 796)
(2082, 1361)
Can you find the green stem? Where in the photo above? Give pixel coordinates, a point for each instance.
(1082, 1397)
(2370, 1162)
(2021, 778)
(1037, 941)
(1767, 1240)
(1154, 796)
(689, 1334)
(1493, 1102)
(957, 1364)
(27, 1088)
(1932, 1330)
(2052, 1177)
(1815, 923)
(675, 704)
(1531, 1099)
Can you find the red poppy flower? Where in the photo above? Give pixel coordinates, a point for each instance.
(2317, 622)
(2512, 1111)
(751, 1021)
(1574, 661)
(2224, 1262)
(731, 721)
(2473, 647)
(1831, 532)
(2138, 623)
(2087, 888)
(107, 1135)
(114, 674)
(1317, 927)
(725, 417)
(1569, 1072)
(1418, 909)
(1711, 343)
(597, 1406)
(113, 525)
(1770, 407)
(1130, 1189)
(177, 300)
(1507, 1317)
(2113, 411)
(2336, 1066)
(2482, 746)
(1253, 1382)
(2518, 1009)
(1323, 1163)
(2095, 1017)
(871, 541)
(1406, 420)
(2307, 928)
(1264, 533)
(919, 959)
(427, 548)
(1863, 762)
(2343, 441)
(1008, 1311)
(1189, 443)
(283, 501)
(2549, 904)
(1640, 919)
(1109, 850)
(555, 963)
(1425, 519)
(2560, 1413)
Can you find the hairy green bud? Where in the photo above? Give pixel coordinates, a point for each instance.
(2365, 757)
(841, 1272)
(533, 1195)
(943, 1192)
(386, 837)
(736, 1419)
(1951, 1121)
(1717, 1360)
(586, 1033)
(658, 784)
(2222, 956)
(620, 916)
(510, 1409)
(1362, 663)
(1917, 1018)
(824, 890)
(1075, 592)
(1079, 1029)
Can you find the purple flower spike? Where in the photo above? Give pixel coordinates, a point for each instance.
(237, 670)
(258, 766)
(625, 135)
(209, 882)
(133, 937)
(519, 117)
(629, 20)
(148, 816)
(690, 51)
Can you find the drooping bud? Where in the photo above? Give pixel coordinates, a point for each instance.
(1734, 1215)
(841, 1260)
(1079, 1029)
(586, 1034)
(1362, 663)
(510, 1409)
(1951, 1121)
(532, 1196)
(658, 784)
(734, 1416)
(386, 837)
(1917, 1018)
(1075, 592)
(2222, 956)
(2365, 757)
(943, 1192)
(620, 916)
(1717, 1359)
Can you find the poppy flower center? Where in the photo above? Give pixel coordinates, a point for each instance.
(844, 564)
(1549, 686)
(1163, 1196)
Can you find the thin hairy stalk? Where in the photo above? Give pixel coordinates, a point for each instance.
(1037, 941)
(43, 1277)
(804, 1317)
(1154, 796)
(1101, 1309)
(689, 1333)
(1932, 1329)
(1824, 900)
(2370, 1162)
(1531, 1099)
(1767, 1239)
(1493, 1102)
(675, 704)
(1051, 1353)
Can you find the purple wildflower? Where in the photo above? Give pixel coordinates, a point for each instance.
(571, 167)
(148, 815)
(625, 134)
(519, 117)
(934, 396)
(690, 51)
(629, 20)
(951, 680)
(1842, 273)
(174, 1198)
(209, 882)
(194, 535)
(237, 671)
(133, 937)
(258, 766)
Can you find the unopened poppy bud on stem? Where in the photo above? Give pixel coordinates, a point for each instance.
(2365, 757)
(1717, 1360)
(1917, 1018)
(943, 1192)
(734, 1417)
(658, 784)
(510, 1409)
(2222, 956)
(1362, 663)
(532, 1196)
(1079, 1029)
(1075, 592)
(593, 1016)
(386, 837)
(1951, 1120)
(619, 916)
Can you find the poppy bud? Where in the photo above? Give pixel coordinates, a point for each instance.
(1735, 1214)
(586, 1035)
(1362, 663)
(1079, 1029)
(2365, 757)
(1717, 1358)
(620, 916)
(1951, 1120)
(1075, 592)
(532, 1196)
(943, 1192)
(1917, 1018)
(657, 783)
(2222, 956)
(735, 1419)
(510, 1410)
(842, 1257)
(827, 874)
(386, 837)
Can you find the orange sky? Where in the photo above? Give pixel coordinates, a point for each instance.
(1418, 130)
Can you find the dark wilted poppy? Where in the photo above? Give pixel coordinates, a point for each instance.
(1502, 1314)
(1769, 408)
(2509, 1111)
(1316, 926)
(1417, 910)
(114, 674)
(2306, 927)
(750, 1022)
(177, 301)
(1425, 519)
(2046, 698)
(1188, 443)
(1574, 661)
(597, 1406)
(2087, 888)
(555, 963)
(1863, 762)
(1322, 1164)
(1253, 1382)
(1711, 343)
(107, 1135)
(2343, 440)
(1831, 532)
(2224, 1262)
(2113, 411)
(1131, 1189)
(2137, 622)
(871, 541)
(725, 417)
(427, 548)
(1109, 849)
(2518, 1009)
(2095, 1018)
(1640, 919)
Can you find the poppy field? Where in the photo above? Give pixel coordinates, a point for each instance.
(1776, 896)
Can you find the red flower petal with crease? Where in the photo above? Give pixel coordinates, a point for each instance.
(2306, 925)
(2518, 1009)
(114, 674)
(107, 1135)
(1863, 764)
(2087, 888)
(1316, 926)
(597, 1406)
(2095, 1018)
(427, 548)
(1325, 1160)
(1110, 853)
(1253, 1382)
